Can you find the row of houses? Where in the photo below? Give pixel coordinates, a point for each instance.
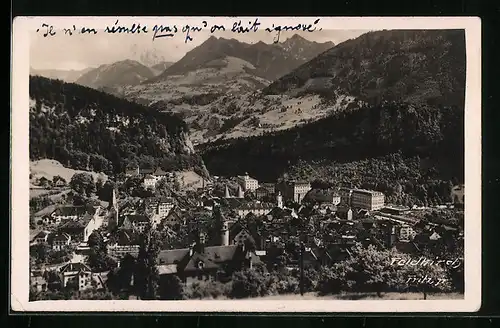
(74, 275)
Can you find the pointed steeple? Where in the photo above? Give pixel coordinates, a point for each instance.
(226, 193)
(240, 192)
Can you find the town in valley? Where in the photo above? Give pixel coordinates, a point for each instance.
(207, 233)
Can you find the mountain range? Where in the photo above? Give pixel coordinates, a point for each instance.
(386, 107)
(401, 123)
(395, 65)
(125, 72)
(268, 61)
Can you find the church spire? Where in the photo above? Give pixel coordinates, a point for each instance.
(226, 193)
(240, 192)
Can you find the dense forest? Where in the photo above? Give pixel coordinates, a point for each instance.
(87, 129)
(426, 141)
(419, 66)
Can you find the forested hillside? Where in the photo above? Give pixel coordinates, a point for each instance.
(419, 66)
(87, 129)
(363, 140)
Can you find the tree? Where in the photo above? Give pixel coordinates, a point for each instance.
(424, 278)
(83, 183)
(247, 283)
(96, 241)
(98, 259)
(39, 253)
(121, 278)
(171, 288)
(146, 274)
(366, 270)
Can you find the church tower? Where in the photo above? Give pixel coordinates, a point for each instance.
(226, 193)
(241, 194)
(113, 211)
(223, 226)
(279, 200)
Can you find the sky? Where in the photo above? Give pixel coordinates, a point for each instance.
(83, 51)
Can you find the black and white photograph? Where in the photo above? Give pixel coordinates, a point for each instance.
(232, 163)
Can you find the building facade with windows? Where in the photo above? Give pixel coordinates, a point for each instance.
(367, 199)
(247, 183)
(294, 190)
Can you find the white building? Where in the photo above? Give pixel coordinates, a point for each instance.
(80, 276)
(406, 233)
(367, 199)
(60, 241)
(150, 181)
(247, 182)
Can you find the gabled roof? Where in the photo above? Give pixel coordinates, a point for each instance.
(73, 225)
(75, 266)
(149, 177)
(126, 237)
(212, 257)
(70, 210)
(62, 236)
(159, 172)
(146, 170)
(46, 211)
(42, 234)
(255, 206)
(172, 256)
(137, 218)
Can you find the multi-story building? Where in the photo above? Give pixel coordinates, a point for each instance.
(132, 170)
(367, 199)
(255, 208)
(293, 190)
(136, 222)
(159, 206)
(80, 277)
(323, 196)
(406, 233)
(81, 229)
(60, 241)
(345, 196)
(41, 237)
(150, 181)
(247, 182)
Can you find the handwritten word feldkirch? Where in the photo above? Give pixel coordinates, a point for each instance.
(162, 31)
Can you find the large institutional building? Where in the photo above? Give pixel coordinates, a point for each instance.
(247, 182)
(367, 199)
(294, 190)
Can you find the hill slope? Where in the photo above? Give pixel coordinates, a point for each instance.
(90, 130)
(374, 146)
(126, 72)
(403, 123)
(160, 67)
(59, 74)
(270, 61)
(415, 66)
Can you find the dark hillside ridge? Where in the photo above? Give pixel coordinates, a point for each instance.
(369, 132)
(87, 129)
(418, 66)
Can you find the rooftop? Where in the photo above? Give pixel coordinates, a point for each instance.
(365, 191)
(70, 210)
(75, 266)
